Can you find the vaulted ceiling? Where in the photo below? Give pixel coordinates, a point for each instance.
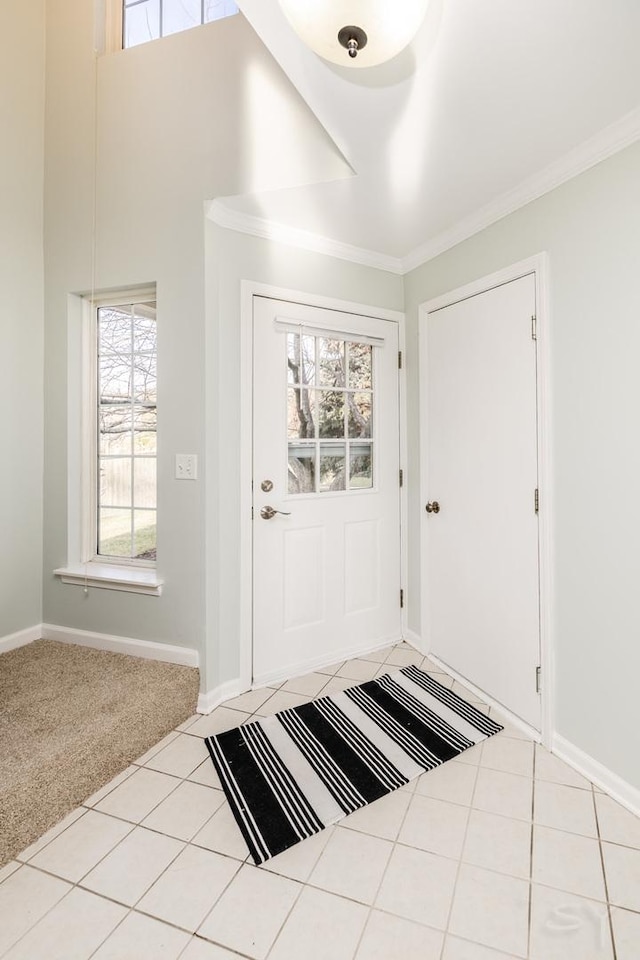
(493, 103)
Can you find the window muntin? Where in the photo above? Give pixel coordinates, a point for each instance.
(329, 414)
(126, 432)
(145, 20)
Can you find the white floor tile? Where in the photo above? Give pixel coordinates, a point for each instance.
(281, 700)
(129, 870)
(135, 798)
(450, 781)
(564, 927)
(320, 927)
(250, 701)
(298, 861)
(252, 932)
(626, 933)
(206, 775)
(82, 846)
(156, 748)
(220, 720)
(46, 838)
(465, 693)
(222, 835)
(456, 949)
(185, 811)
(568, 861)
(617, 825)
(403, 657)
(309, 685)
(337, 685)
(377, 656)
(181, 757)
(565, 808)
(8, 869)
(503, 793)
(382, 818)
(358, 670)
(387, 937)
(352, 865)
(418, 886)
(510, 729)
(139, 937)
(25, 897)
(435, 825)
(498, 843)
(508, 755)
(71, 931)
(622, 867)
(556, 770)
(203, 950)
(187, 890)
(491, 909)
(187, 723)
(99, 795)
(472, 755)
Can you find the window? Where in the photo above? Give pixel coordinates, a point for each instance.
(329, 414)
(125, 416)
(145, 20)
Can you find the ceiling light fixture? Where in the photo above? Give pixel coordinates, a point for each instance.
(359, 33)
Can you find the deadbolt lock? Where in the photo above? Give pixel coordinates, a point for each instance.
(266, 486)
(433, 507)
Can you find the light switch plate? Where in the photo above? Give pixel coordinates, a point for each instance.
(186, 466)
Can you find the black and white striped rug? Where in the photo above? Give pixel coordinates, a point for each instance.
(288, 776)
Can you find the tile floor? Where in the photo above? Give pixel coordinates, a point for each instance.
(503, 853)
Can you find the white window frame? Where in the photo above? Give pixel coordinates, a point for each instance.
(84, 566)
(113, 39)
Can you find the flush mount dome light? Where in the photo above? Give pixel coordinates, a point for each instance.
(358, 33)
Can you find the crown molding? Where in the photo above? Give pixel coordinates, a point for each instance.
(604, 144)
(303, 239)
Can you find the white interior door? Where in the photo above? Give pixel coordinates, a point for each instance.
(326, 575)
(478, 358)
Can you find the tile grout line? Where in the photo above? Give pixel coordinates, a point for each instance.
(531, 846)
(604, 875)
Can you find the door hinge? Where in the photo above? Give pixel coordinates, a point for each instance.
(401, 599)
(399, 359)
(538, 679)
(534, 327)
(401, 478)
(536, 500)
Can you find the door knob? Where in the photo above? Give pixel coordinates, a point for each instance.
(433, 507)
(268, 513)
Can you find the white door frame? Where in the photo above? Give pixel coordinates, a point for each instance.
(537, 265)
(249, 290)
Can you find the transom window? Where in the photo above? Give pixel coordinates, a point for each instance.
(145, 20)
(329, 414)
(126, 447)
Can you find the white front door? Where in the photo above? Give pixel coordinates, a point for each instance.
(478, 359)
(326, 571)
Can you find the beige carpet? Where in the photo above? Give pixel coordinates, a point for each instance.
(71, 718)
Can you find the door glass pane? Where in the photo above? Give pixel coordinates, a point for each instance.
(359, 405)
(141, 22)
(330, 413)
(300, 414)
(115, 377)
(301, 358)
(360, 355)
(332, 467)
(114, 430)
(302, 468)
(144, 482)
(331, 363)
(360, 466)
(114, 325)
(144, 430)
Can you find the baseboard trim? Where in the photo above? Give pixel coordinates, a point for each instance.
(614, 786)
(207, 702)
(414, 640)
(21, 638)
(147, 649)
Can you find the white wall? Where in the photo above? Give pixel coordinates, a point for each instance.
(591, 229)
(231, 258)
(21, 328)
(201, 114)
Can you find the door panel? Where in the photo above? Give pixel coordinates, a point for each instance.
(482, 547)
(327, 565)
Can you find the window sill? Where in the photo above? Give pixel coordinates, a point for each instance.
(107, 576)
